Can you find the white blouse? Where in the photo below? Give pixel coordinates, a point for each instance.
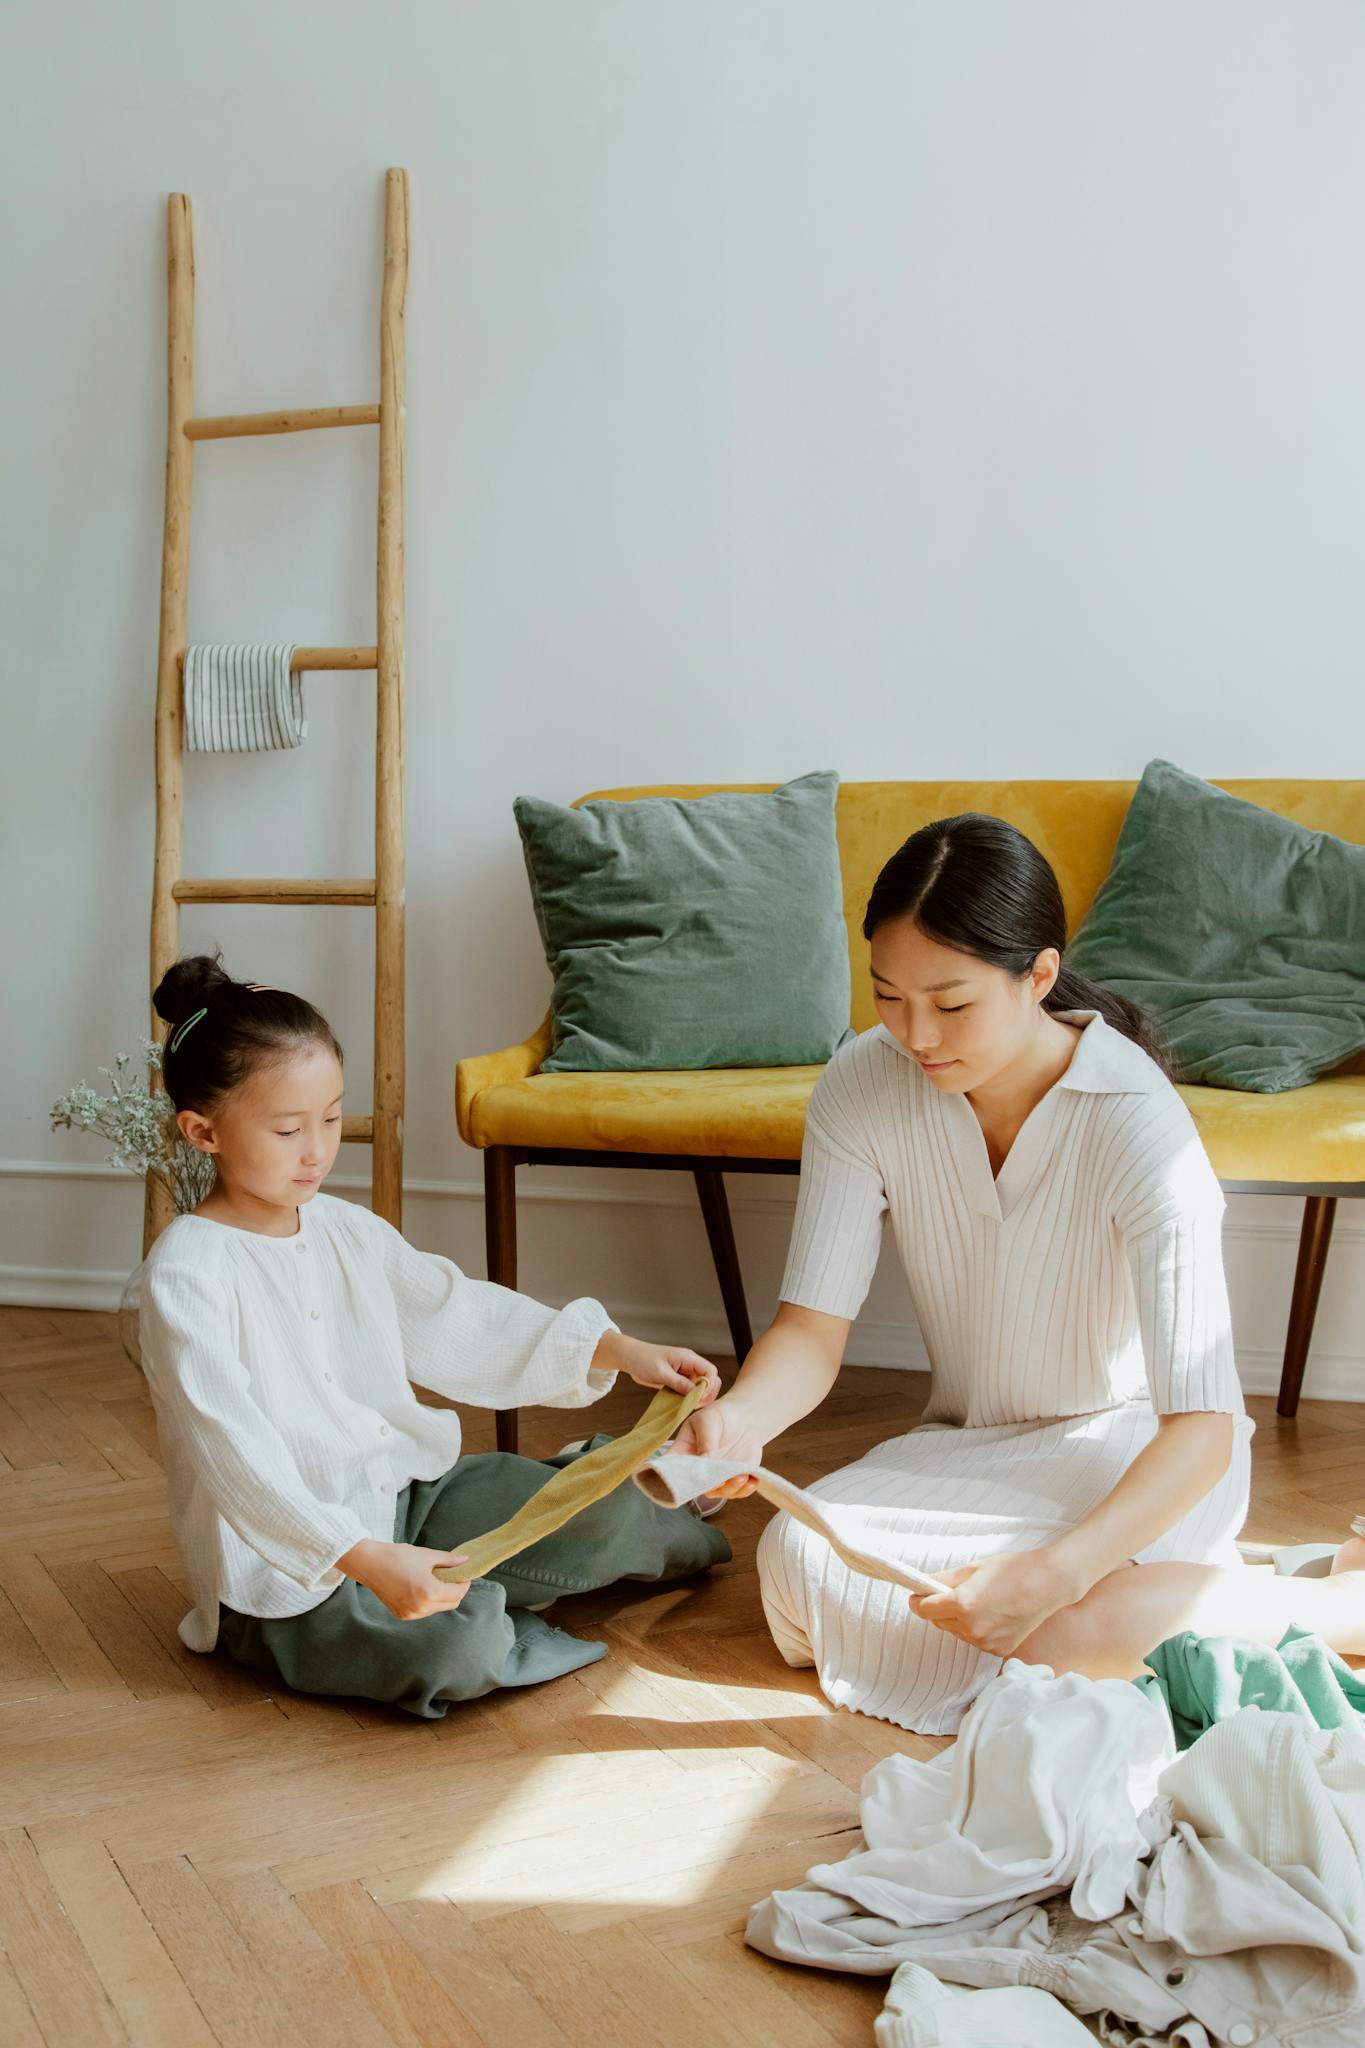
(1088, 1275)
(282, 1371)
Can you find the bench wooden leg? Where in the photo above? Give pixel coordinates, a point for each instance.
(715, 1211)
(1319, 1214)
(500, 1236)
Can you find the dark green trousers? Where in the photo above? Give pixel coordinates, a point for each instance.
(351, 1647)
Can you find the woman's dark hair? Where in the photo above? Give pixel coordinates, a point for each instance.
(979, 885)
(243, 1027)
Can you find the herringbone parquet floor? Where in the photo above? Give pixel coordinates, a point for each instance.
(188, 1857)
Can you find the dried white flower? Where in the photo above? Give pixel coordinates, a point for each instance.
(140, 1125)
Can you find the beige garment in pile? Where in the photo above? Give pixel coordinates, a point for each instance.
(851, 1532)
(577, 1486)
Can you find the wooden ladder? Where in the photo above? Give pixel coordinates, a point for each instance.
(383, 1130)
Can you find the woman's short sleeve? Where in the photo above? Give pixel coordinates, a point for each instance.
(1170, 1222)
(840, 1205)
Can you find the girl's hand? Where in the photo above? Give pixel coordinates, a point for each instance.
(722, 1431)
(656, 1365)
(996, 1605)
(400, 1574)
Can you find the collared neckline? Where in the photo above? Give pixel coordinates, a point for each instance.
(1104, 1062)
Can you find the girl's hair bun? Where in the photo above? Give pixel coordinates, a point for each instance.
(188, 985)
(232, 1027)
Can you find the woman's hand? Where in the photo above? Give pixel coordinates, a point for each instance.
(400, 1574)
(996, 1605)
(723, 1431)
(656, 1365)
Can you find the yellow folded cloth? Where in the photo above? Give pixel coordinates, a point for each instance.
(577, 1486)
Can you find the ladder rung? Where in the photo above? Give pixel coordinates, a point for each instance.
(334, 657)
(227, 426)
(357, 1130)
(313, 658)
(275, 889)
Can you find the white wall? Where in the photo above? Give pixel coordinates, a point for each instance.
(910, 389)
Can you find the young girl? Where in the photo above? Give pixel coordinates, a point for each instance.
(1059, 1225)
(282, 1334)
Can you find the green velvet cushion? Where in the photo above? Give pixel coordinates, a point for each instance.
(691, 931)
(1242, 933)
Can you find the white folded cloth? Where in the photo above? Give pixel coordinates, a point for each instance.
(673, 1478)
(242, 700)
(922, 2013)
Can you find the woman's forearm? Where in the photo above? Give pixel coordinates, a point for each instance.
(1187, 1456)
(790, 1369)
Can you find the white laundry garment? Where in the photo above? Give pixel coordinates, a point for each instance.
(675, 1478)
(1221, 1943)
(1295, 1802)
(1050, 1787)
(922, 2013)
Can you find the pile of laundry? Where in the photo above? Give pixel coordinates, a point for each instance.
(1164, 1858)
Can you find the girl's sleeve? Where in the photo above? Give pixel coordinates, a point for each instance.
(199, 1383)
(1170, 1220)
(840, 1205)
(474, 1341)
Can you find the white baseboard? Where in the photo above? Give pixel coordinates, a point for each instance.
(59, 1287)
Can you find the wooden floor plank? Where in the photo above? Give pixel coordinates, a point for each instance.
(116, 1445)
(58, 1978)
(18, 2027)
(72, 1449)
(22, 1449)
(388, 1971)
(161, 1608)
(250, 1994)
(587, 2011)
(144, 1665)
(143, 1984)
(492, 1998)
(60, 1633)
(643, 1977)
(753, 1995)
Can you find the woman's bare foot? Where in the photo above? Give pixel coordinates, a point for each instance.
(1350, 1555)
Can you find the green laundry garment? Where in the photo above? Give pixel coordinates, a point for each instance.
(1203, 1679)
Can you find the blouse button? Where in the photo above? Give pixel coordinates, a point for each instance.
(300, 1249)
(328, 1377)
(316, 1314)
(383, 1429)
(1241, 2035)
(1175, 1978)
(1135, 1927)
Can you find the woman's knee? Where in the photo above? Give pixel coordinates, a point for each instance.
(770, 1557)
(781, 1588)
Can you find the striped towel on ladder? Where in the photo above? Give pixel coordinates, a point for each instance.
(242, 700)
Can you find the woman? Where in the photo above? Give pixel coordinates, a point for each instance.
(1060, 1228)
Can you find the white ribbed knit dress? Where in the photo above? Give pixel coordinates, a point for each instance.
(1062, 1306)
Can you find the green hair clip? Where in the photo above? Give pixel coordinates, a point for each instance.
(188, 1025)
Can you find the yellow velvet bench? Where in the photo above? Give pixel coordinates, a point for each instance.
(1309, 1141)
